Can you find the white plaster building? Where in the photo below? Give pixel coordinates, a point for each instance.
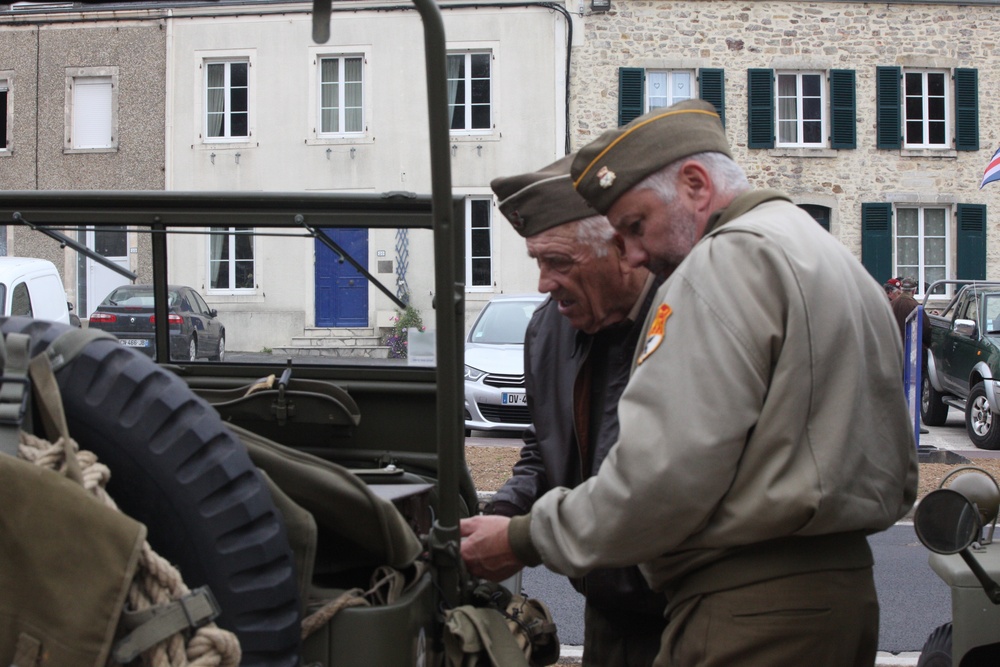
(350, 116)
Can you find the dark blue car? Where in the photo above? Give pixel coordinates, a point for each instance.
(195, 329)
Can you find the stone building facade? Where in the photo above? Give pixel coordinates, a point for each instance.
(913, 181)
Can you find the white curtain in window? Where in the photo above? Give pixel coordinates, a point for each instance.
(656, 89)
(219, 256)
(352, 95)
(329, 95)
(788, 115)
(216, 98)
(454, 68)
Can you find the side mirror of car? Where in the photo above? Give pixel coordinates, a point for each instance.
(213, 312)
(964, 327)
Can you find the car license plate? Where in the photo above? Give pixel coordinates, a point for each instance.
(135, 342)
(508, 398)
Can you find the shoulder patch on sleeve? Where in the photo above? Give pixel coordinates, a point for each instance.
(655, 335)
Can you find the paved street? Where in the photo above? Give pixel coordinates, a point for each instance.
(952, 437)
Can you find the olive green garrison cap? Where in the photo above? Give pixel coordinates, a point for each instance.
(541, 199)
(606, 168)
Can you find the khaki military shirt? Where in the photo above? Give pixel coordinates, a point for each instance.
(766, 402)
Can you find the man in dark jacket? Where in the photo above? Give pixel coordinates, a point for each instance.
(577, 354)
(903, 305)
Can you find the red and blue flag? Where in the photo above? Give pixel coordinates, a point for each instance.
(992, 172)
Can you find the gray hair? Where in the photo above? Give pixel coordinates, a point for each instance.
(727, 176)
(596, 231)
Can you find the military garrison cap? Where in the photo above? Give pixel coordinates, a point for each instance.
(606, 168)
(542, 199)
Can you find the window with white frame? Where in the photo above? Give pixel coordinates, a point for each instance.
(926, 109)
(341, 95)
(922, 248)
(479, 242)
(666, 87)
(469, 91)
(231, 259)
(227, 99)
(5, 116)
(91, 109)
(800, 109)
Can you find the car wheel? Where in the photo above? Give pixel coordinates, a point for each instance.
(933, 411)
(193, 349)
(983, 426)
(178, 469)
(937, 648)
(220, 354)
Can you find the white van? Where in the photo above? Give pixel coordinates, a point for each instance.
(32, 287)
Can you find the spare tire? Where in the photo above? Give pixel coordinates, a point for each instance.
(176, 468)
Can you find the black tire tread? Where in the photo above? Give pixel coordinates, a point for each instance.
(937, 411)
(991, 441)
(178, 469)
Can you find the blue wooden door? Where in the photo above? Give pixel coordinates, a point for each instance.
(341, 291)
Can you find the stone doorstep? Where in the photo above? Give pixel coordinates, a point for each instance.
(374, 352)
(335, 341)
(339, 332)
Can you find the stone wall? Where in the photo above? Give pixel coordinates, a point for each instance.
(815, 36)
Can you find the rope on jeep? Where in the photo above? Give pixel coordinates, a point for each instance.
(157, 582)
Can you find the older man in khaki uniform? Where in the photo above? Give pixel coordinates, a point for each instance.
(577, 359)
(764, 431)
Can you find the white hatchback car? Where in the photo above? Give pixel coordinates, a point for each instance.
(494, 365)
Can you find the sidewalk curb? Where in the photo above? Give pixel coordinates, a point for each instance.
(908, 659)
(573, 655)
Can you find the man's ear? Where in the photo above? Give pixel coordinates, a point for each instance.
(694, 182)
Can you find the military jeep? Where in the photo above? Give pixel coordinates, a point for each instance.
(210, 455)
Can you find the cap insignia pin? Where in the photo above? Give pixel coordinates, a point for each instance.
(605, 177)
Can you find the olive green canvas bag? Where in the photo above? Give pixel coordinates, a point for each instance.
(66, 564)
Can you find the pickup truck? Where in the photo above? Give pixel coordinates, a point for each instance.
(963, 367)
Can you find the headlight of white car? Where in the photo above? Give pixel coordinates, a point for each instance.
(473, 374)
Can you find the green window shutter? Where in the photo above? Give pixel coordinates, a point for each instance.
(876, 240)
(712, 89)
(631, 93)
(887, 91)
(971, 242)
(843, 109)
(967, 109)
(760, 120)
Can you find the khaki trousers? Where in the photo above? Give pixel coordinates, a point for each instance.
(820, 619)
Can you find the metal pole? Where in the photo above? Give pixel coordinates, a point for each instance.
(449, 298)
